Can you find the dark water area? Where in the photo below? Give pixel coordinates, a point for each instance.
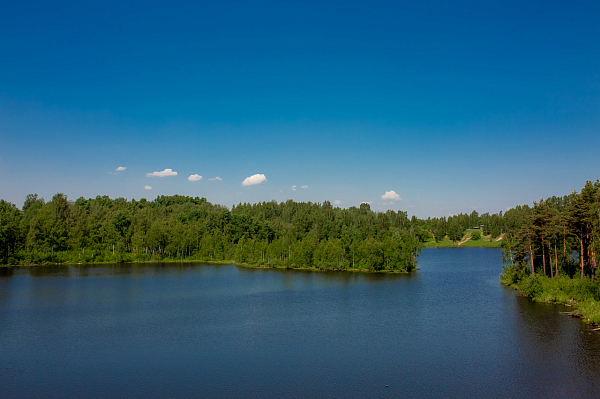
(194, 330)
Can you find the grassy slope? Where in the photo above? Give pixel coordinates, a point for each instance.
(484, 241)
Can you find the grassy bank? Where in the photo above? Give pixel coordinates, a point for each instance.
(582, 295)
(472, 238)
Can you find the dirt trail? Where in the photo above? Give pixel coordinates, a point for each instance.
(501, 236)
(466, 238)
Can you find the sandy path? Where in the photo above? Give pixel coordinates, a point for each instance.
(466, 238)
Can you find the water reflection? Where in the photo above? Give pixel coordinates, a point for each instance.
(7, 271)
(163, 268)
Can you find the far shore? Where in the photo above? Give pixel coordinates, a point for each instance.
(467, 241)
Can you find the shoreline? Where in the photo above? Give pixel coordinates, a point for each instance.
(588, 310)
(217, 262)
(469, 244)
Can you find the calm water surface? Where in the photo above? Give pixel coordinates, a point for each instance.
(180, 330)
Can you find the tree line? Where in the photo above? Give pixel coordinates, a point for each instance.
(288, 234)
(558, 235)
(555, 235)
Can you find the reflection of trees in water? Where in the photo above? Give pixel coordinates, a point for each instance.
(556, 351)
(49, 271)
(6, 272)
(329, 277)
(5, 281)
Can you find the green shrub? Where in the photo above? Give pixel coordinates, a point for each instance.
(512, 274)
(532, 286)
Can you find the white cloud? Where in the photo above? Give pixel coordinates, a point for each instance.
(337, 202)
(148, 187)
(305, 186)
(294, 188)
(215, 178)
(367, 202)
(166, 172)
(254, 179)
(195, 177)
(121, 168)
(391, 195)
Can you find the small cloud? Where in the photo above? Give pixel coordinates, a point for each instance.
(391, 195)
(337, 202)
(254, 179)
(294, 188)
(215, 178)
(166, 172)
(195, 177)
(305, 186)
(367, 202)
(148, 187)
(121, 168)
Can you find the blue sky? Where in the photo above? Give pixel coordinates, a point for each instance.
(454, 107)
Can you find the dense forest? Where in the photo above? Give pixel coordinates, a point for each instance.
(558, 235)
(271, 234)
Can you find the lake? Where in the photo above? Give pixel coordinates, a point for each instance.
(185, 329)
